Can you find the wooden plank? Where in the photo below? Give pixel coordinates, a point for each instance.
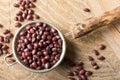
(63, 14)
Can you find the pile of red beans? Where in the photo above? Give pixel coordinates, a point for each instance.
(25, 12)
(39, 46)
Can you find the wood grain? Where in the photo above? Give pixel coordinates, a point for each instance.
(62, 14)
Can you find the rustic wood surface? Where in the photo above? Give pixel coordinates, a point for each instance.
(63, 14)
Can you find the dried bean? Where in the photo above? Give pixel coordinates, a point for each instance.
(96, 67)
(88, 73)
(86, 9)
(70, 74)
(6, 31)
(70, 78)
(16, 5)
(102, 46)
(90, 58)
(101, 58)
(95, 52)
(18, 24)
(10, 60)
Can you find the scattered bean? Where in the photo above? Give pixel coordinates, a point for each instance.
(6, 31)
(101, 58)
(70, 74)
(90, 58)
(70, 78)
(16, 5)
(96, 67)
(1, 38)
(18, 24)
(95, 52)
(86, 9)
(10, 60)
(88, 73)
(102, 46)
(93, 63)
(82, 72)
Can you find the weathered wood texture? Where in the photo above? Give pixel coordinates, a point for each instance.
(63, 14)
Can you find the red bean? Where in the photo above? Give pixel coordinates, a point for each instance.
(34, 52)
(16, 18)
(6, 31)
(32, 31)
(5, 47)
(80, 63)
(25, 61)
(95, 52)
(23, 33)
(102, 46)
(24, 15)
(47, 57)
(39, 24)
(36, 45)
(26, 6)
(29, 46)
(9, 35)
(29, 17)
(79, 78)
(47, 65)
(36, 16)
(75, 73)
(1, 45)
(26, 11)
(28, 27)
(82, 72)
(23, 3)
(1, 38)
(22, 8)
(70, 78)
(45, 53)
(5, 51)
(32, 5)
(1, 52)
(53, 30)
(43, 60)
(88, 73)
(93, 63)
(1, 25)
(79, 68)
(38, 68)
(86, 9)
(10, 60)
(96, 67)
(90, 58)
(33, 0)
(6, 40)
(19, 13)
(18, 24)
(101, 58)
(70, 74)
(30, 11)
(84, 77)
(16, 5)
(34, 64)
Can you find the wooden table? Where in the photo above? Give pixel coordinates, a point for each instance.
(63, 14)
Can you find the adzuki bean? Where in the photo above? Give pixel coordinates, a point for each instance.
(95, 52)
(101, 58)
(86, 9)
(102, 46)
